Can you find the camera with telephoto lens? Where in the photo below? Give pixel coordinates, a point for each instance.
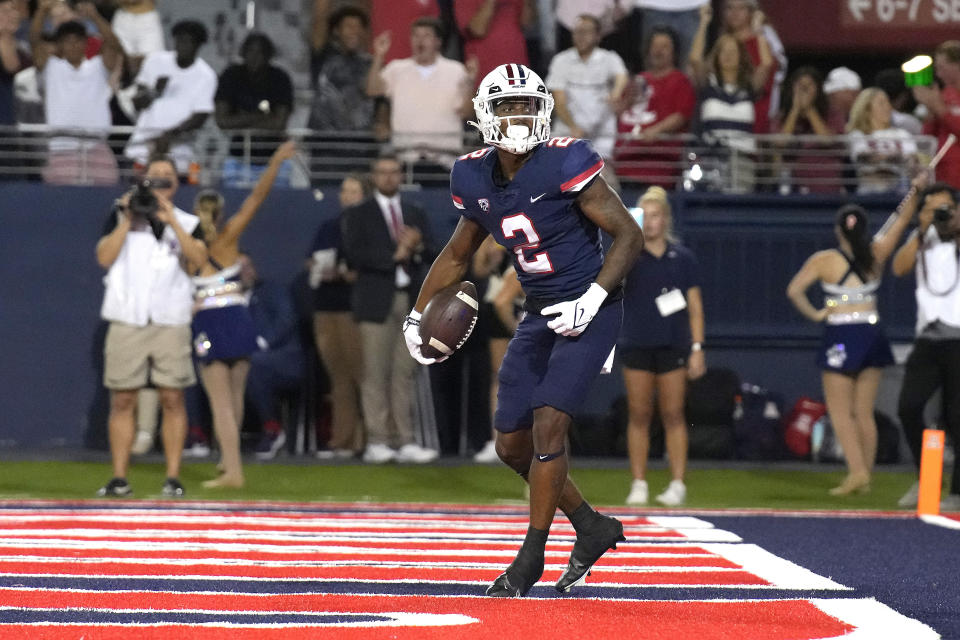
(143, 203)
(942, 214)
(942, 219)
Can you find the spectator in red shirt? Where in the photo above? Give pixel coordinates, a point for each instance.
(744, 20)
(492, 31)
(944, 108)
(660, 102)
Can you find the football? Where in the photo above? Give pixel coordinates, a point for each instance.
(448, 319)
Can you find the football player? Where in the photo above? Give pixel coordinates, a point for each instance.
(545, 201)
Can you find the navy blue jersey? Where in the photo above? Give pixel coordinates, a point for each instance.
(556, 249)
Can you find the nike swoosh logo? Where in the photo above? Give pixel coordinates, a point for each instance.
(542, 458)
(580, 312)
(532, 199)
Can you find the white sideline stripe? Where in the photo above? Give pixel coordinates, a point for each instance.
(415, 581)
(781, 573)
(690, 535)
(393, 619)
(179, 541)
(367, 594)
(24, 504)
(941, 521)
(333, 523)
(873, 620)
(506, 552)
(680, 522)
(320, 564)
(305, 522)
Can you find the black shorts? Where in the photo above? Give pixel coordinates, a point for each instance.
(656, 360)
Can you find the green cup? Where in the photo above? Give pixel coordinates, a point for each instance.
(918, 71)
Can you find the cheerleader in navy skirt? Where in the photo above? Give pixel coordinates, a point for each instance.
(854, 348)
(224, 335)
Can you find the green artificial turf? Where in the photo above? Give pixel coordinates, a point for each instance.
(452, 483)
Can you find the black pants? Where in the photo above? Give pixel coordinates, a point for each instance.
(933, 364)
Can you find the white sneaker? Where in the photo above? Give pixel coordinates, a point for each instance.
(335, 454)
(639, 492)
(197, 450)
(909, 499)
(950, 503)
(378, 453)
(488, 454)
(416, 454)
(675, 495)
(142, 443)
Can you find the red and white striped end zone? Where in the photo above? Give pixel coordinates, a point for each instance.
(370, 548)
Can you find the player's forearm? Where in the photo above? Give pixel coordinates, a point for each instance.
(446, 270)
(626, 247)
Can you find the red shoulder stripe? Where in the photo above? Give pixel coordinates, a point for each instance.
(577, 183)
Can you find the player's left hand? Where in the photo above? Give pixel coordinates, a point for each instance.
(573, 316)
(411, 335)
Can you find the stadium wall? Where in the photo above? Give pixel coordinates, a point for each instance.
(51, 289)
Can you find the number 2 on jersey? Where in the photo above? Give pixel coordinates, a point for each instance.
(520, 222)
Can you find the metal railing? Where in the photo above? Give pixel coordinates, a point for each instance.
(763, 163)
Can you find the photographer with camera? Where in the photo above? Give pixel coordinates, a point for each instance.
(933, 250)
(147, 246)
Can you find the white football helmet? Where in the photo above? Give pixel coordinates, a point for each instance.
(523, 132)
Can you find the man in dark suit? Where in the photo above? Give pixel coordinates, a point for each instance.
(386, 241)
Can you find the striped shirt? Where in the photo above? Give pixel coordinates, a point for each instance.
(727, 115)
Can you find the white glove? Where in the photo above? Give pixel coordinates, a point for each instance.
(411, 335)
(573, 316)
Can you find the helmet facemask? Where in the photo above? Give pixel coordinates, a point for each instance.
(513, 118)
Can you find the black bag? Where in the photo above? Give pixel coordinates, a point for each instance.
(710, 405)
(759, 424)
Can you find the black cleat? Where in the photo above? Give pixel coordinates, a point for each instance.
(587, 550)
(172, 488)
(116, 488)
(520, 576)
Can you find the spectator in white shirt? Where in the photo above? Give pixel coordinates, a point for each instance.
(77, 94)
(586, 81)
(175, 97)
(137, 25)
(885, 155)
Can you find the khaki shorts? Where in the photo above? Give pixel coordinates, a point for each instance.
(160, 354)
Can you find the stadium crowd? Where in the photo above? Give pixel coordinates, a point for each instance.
(671, 93)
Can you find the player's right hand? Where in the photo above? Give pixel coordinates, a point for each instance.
(411, 335)
(573, 316)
